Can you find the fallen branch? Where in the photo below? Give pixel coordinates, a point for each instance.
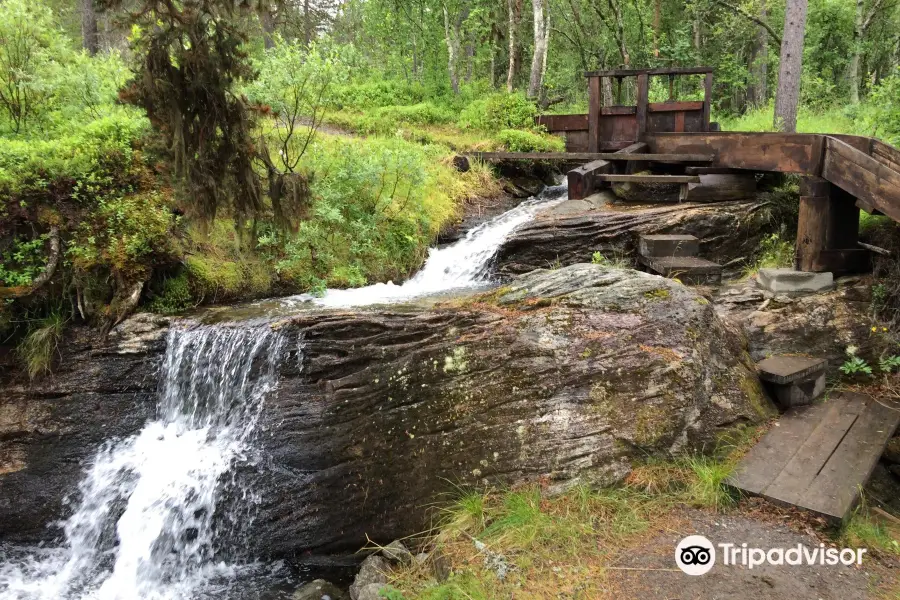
(42, 279)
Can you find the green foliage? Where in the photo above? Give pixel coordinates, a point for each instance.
(124, 234)
(855, 365)
(40, 344)
(174, 297)
(517, 140)
(30, 71)
(296, 83)
(889, 364)
(376, 93)
(498, 112)
(881, 114)
(23, 261)
(423, 113)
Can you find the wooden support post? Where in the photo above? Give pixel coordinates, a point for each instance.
(707, 99)
(582, 180)
(643, 95)
(828, 230)
(593, 114)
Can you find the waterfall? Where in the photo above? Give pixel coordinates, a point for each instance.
(150, 521)
(463, 264)
(143, 526)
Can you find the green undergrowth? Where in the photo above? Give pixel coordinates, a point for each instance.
(528, 542)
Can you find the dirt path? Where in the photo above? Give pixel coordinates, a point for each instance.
(760, 583)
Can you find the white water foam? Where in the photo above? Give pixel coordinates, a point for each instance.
(463, 264)
(143, 527)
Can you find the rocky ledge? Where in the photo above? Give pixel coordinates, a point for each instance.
(571, 231)
(564, 377)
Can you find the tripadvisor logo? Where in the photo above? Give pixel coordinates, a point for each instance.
(696, 555)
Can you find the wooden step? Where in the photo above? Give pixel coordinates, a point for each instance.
(660, 245)
(818, 457)
(664, 179)
(687, 269)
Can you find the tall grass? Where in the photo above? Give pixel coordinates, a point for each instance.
(41, 343)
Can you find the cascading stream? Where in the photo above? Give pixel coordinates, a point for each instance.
(463, 264)
(150, 522)
(143, 528)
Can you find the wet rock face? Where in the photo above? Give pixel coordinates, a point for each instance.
(49, 429)
(822, 325)
(565, 377)
(570, 232)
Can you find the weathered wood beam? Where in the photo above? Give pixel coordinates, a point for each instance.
(876, 184)
(660, 71)
(591, 156)
(615, 178)
(581, 181)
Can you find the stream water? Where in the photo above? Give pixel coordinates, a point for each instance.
(152, 519)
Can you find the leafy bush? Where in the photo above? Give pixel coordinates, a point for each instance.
(375, 94)
(423, 113)
(881, 114)
(499, 111)
(516, 140)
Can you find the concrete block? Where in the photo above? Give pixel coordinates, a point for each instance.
(668, 245)
(799, 393)
(788, 281)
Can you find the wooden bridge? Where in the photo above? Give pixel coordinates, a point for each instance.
(618, 143)
(820, 455)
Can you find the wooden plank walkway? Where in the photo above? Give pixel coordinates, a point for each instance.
(818, 457)
(591, 156)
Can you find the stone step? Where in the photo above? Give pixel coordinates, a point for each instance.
(793, 380)
(659, 245)
(687, 269)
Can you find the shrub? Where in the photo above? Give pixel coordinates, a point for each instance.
(499, 111)
(524, 141)
(423, 113)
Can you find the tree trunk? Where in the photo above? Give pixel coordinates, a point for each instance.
(761, 59)
(620, 32)
(515, 10)
(787, 97)
(307, 23)
(541, 41)
(267, 20)
(90, 40)
(853, 71)
(452, 34)
(657, 9)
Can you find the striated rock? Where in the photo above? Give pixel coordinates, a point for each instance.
(372, 572)
(570, 232)
(51, 427)
(563, 377)
(319, 589)
(820, 325)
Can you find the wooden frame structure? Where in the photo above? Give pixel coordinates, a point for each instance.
(620, 125)
(843, 173)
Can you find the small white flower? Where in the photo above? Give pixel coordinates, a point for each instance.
(851, 350)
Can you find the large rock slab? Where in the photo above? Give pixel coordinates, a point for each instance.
(564, 377)
(728, 231)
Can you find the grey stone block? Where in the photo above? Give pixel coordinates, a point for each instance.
(668, 245)
(789, 281)
(798, 393)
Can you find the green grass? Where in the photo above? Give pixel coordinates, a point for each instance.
(41, 343)
(833, 120)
